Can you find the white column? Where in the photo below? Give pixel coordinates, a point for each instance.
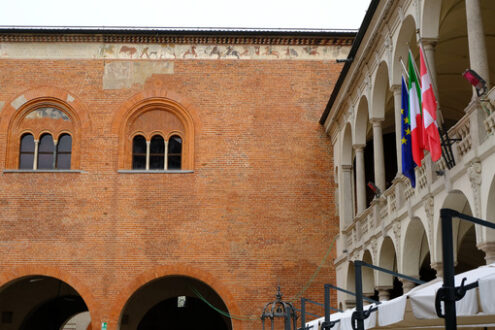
(407, 285)
(148, 143)
(383, 292)
(360, 178)
(489, 249)
(438, 266)
(476, 38)
(398, 124)
(378, 154)
(346, 199)
(35, 161)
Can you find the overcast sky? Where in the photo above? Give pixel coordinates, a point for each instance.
(322, 14)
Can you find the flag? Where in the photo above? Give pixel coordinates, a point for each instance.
(431, 137)
(415, 119)
(408, 164)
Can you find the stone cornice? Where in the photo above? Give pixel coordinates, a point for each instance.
(318, 40)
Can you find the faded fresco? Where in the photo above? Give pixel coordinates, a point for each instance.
(50, 113)
(42, 50)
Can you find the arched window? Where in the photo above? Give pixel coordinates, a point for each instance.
(139, 153)
(174, 153)
(26, 156)
(64, 151)
(157, 153)
(46, 152)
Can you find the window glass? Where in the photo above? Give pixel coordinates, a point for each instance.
(64, 150)
(157, 153)
(26, 156)
(174, 152)
(45, 152)
(139, 153)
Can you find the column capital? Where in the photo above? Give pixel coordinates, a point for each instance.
(377, 121)
(429, 43)
(489, 249)
(358, 146)
(407, 285)
(438, 267)
(396, 90)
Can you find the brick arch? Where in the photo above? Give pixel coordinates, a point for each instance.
(174, 270)
(24, 102)
(156, 99)
(82, 289)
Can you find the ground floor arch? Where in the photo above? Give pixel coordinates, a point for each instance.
(467, 256)
(38, 302)
(173, 302)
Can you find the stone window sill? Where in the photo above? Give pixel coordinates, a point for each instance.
(43, 171)
(154, 171)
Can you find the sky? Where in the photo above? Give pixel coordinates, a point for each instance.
(316, 14)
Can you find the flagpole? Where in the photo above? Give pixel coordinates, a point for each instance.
(403, 67)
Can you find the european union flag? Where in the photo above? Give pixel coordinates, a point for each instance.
(408, 164)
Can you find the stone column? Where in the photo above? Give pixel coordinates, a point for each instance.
(476, 38)
(407, 285)
(148, 143)
(346, 199)
(35, 161)
(489, 249)
(54, 162)
(360, 178)
(429, 48)
(396, 89)
(383, 292)
(438, 266)
(379, 160)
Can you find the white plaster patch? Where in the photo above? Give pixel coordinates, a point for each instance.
(68, 50)
(70, 98)
(18, 102)
(124, 74)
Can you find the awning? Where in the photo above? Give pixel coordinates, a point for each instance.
(416, 309)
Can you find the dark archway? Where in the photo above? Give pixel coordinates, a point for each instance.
(54, 313)
(39, 303)
(175, 302)
(169, 314)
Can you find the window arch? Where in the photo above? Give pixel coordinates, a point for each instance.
(157, 153)
(26, 154)
(43, 133)
(174, 154)
(167, 137)
(64, 151)
(139, 153)
(46, 152)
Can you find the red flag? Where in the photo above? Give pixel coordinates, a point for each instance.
(431, 137)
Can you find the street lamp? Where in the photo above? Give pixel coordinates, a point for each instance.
(279, 309)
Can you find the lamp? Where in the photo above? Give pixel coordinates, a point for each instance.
(279, 309)
(374, 189)
(475, 80)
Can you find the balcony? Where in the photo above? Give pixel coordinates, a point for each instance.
(475, 142)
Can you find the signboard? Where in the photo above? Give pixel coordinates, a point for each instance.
(103, 325)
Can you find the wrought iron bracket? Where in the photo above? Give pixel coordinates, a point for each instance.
(444, 294)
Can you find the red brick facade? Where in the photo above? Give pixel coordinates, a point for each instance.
(257, 210)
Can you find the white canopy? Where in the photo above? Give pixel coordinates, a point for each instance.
(416, 309)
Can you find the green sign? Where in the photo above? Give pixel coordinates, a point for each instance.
(103, 325)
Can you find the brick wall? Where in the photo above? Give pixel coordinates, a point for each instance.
(256, 212)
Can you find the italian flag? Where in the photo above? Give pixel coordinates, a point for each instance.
(431, 137)
(415, 119)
